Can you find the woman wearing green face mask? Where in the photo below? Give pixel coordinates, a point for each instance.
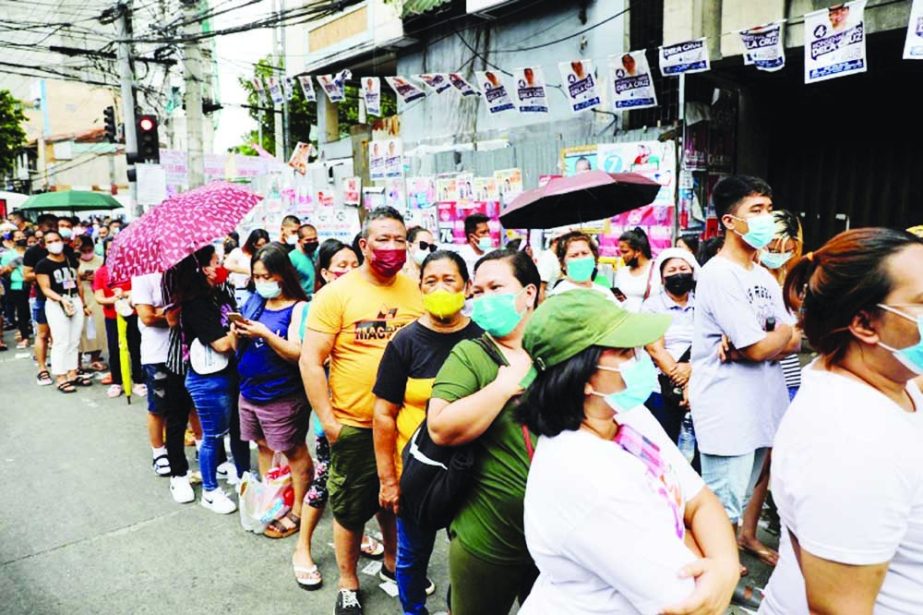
(579, 255)
(472, 403)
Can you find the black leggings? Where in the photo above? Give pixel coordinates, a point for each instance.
(134, 350)
(20, 302)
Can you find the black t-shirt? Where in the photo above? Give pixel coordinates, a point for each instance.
(418, 353)
(36, 254)
(202, 318)
(62, 276)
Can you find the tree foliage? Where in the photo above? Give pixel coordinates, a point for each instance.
(12, 135)
(301, 113)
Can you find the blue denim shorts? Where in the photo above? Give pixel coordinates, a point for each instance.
(38, 313)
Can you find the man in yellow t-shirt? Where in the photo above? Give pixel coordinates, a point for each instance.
(350, 323)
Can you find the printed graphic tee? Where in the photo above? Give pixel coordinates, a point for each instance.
(363, 318)
(62, 276)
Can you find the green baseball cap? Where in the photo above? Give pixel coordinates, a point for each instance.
(568, 323)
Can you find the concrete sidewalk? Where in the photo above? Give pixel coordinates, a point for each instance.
(86, 526)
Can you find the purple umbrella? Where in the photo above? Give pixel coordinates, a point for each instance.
(584, 197)
(176, 228)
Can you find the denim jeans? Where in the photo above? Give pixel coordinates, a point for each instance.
(414, 548)
(167, 397)
(732, 479)
(215, 399)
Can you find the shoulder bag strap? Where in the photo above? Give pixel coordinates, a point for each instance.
(528, 440)
(650, 276)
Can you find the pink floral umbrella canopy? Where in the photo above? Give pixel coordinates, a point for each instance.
(176, 228)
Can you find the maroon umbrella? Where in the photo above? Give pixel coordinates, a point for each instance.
(178, 227)
(584, 197)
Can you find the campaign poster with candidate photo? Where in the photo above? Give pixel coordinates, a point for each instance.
(509, 184)
(405, 90)
(421, 191)
(275, 91)
(377, 160)
(394, 158)
(530, 90)
(438, 82)
(352, 191)
(494, 91)
(579, 83)
(307, 87)
(834, 44)
(763, 47)
(632, 85)
(913, 45)
(687, 57)
(335, 85)
(461, 84)
(371, 94)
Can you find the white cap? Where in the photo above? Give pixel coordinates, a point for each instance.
(682, 253)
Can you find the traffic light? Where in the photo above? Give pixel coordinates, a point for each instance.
(148, 140)
(111, 126)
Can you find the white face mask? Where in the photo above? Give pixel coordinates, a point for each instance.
(55, 247)
(292, 240)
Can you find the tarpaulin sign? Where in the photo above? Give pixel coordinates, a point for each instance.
(763, 47)
(580, 84)
(371, 94)
(530, 90)
(834, 43)
(632, 85)
(495, 94)
(687, 57)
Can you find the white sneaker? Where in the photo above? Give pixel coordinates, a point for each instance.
(181, 490)
(228, 471)
(139, 390)
(218, 501)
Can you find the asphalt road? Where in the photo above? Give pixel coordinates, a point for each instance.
(86, 526)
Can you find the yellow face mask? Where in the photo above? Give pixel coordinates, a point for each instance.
(442, 303)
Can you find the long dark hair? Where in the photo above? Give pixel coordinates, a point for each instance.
(185, 280)
(636, 238)
(554, 401)
(524, 269)
(325, 254)
(275, 258)
(848, 275)
(255, 235)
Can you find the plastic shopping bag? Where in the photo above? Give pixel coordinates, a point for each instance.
(264, 501)
(251, 497)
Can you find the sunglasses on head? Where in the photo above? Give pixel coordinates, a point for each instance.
(425, 245)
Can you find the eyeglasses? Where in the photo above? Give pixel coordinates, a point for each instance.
(425, 245)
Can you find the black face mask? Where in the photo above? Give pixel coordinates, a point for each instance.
(310, 248)
(679, 283)
(22, 243)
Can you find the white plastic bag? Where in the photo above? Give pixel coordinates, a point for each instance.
(251, 498)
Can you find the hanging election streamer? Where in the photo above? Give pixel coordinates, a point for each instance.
(462, 85)
(580, 84)
(913, 46)
(763, 47)
(275, 91)
(687, 57)
(495, 94)
(377, 160)
(307, 86)
(438, 82)
(407, 91)
(335, 85)
(530, 90)
(257, 83)
(288, 87)
(371, 94)
(835, 42)
(632, 85)
(394, 157)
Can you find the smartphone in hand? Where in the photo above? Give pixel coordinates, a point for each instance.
(236, 317)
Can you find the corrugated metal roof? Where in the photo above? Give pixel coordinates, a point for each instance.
(418, 7)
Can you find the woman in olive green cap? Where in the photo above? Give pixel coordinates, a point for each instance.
(615, 518)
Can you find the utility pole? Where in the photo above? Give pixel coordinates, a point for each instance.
(127, 78)
(278, 55)
(284, 65)
(192, 73)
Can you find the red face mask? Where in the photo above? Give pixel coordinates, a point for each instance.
(387, 263)
(220, 276)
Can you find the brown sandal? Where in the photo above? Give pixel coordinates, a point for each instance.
(277, 529)
(66, 387)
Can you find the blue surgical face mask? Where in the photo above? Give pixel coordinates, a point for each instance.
(268, 290)
(485, 244)
(497, 313)
(65, 233)
(581, 269)
(640, 378)
(760, 230)
(910, 357)
(775, 260)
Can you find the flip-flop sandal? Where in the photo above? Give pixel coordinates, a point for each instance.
(43, 378)
(748, 597)
(372, 548)
(66, 387)
(312, 581)
(764, 555)
(276, 530)
(82, 381)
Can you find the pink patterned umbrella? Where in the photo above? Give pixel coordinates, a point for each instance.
(176, 228)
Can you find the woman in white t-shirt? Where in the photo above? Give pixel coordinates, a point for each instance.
(615, 518)
(237, 262)
(579, 256)
(637, 279)
(847, 466)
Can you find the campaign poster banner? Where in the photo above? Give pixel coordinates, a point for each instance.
(427, 218)
(307, 87)
(396, 193)
(377, 160)
(337, 223)
(421, 191)
(288, 87)
(485, 189)
(913, 45)
(464, 183)
(461, 84)
(495, 94)
(275, 91)
(352, 191)
(326, 197)
(687, 57)
(578, 159)
(372, 197)
(763, 47)
(452, 220)
(259, 88)
(394, 158)
(580, 84)
(371, 94)
(834, 43)
(446, 190)
(632, 85)
(335, 85)
(438, 82)
(509, 184)
(530, 90)
(299, 159)
(405, 90)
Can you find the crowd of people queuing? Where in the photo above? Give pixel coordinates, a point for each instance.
(543, 401)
